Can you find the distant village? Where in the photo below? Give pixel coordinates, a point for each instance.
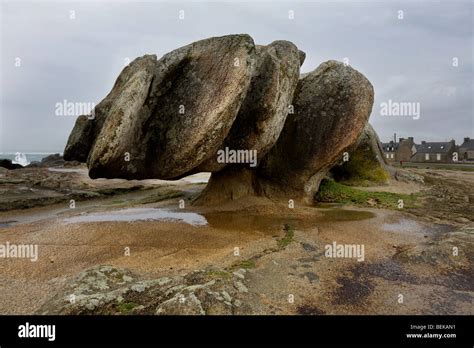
(406, 150)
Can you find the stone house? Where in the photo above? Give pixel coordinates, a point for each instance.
(403, 150)
(390, 150)
(466, 150)
(406, 150)
(434, 152)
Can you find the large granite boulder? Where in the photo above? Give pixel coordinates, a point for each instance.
(265, 107)
(332, 105)
(169, 115)
(88, 127)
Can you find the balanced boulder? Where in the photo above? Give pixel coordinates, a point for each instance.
(332, 105)
(169, 115)
(175, 116)
(87, 127)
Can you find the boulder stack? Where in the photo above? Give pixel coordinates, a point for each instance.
(226, 106)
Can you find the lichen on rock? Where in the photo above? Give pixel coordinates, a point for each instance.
(365, 164)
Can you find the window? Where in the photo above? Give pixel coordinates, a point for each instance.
(438, 157)
(427, 156)
(386, 155)
(391, 155)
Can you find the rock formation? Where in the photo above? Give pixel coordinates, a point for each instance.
(163, 118)
(366, 163)
(8, 164)
(54, 160)
(229, 107)
(263, 112)
(332, 105)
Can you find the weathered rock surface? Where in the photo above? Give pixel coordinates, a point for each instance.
(106, 289)
(8, 164)
(211, 87)
(366, 163)
(41, 186)
(332, 105)
(405, 175)
(54, 160)
(87, 127)
(231, 183)
(263, 112)
(439, 251)
(163, 118)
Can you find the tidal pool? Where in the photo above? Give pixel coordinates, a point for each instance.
(346, 215)
(139, 214)
(272, 222)
(67, 170)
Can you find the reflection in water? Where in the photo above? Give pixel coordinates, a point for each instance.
(137, 214)
(68, 170)
(238, 221)
(346, 215)
(248, 222)
(269, 223)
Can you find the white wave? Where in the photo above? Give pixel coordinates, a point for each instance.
(20, 158)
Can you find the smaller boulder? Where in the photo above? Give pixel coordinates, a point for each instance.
(365, 165)
(332, 105)
(8, 164)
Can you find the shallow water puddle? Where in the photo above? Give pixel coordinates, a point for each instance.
(346, 215)
(404, 225)
(67, 170)
(199, 178)
(272, 223)
(245, 222)
(139, 214)
(7, 223)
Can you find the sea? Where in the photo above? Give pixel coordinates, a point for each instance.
(25, 158)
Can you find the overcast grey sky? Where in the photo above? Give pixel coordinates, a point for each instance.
(78, 60)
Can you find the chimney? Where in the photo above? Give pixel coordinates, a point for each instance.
(394, 137)
(466, 140)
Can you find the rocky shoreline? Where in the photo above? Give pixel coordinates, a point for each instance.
(176, 268)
